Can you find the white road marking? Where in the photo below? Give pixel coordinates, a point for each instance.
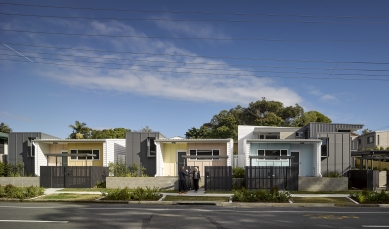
(31, 221)
(375, 225)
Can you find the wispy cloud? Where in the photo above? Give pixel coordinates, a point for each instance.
(17, 117)
(177, 77)
(328, 97)
(193, 29)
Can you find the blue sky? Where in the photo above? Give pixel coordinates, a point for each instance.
(329, 56)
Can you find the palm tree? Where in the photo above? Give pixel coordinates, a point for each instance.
(5, 128)
(80, 130)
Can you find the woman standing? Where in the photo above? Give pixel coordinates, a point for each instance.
(196, 177)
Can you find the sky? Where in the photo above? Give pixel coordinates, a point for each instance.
(171, 65)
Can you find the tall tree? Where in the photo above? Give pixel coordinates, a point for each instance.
(81, 129)
(5, 128)
(145, 129)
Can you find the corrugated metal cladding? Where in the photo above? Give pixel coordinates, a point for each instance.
(136, 151)
(339, 153)
(20, 148)
(315, 128)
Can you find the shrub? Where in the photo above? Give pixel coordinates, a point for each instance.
(238, 172)
(128, 194)
(10, 191)
(120, 169)
(260, 195)
(332, 174)
(371, 197)
(101, 184)
(382, 148)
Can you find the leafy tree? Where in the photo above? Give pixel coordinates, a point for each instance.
(117, 133)
(366, 131)
(145, 129)
(311, 116)
(80, 128)
(259, 113)
(5, 128)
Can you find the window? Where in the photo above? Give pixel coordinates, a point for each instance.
(359, 141)
(270, 152)
(151, 147)
(324, 147)
(378, 140)
(261, 136)
(31, 147)
(370, 139)
(299, 134)
(96, 152)
(202, 152)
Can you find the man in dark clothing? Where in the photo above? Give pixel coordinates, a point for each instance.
(182, 180)
(196, 177)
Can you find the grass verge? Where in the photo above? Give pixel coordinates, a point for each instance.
(323, 200)
(196, 198)
(325, 192)
(70, 196)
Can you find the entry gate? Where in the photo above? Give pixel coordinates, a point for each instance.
(218, 178)
(267, 177)
(72, 176)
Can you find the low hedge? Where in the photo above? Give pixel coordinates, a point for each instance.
(131, 194)
(10, 191)
(273, 195)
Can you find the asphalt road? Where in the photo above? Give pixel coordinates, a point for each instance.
(65, 215)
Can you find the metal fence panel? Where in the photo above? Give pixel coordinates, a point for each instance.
(267, 177)
(72, 176)
(218, 178)
(364, 179)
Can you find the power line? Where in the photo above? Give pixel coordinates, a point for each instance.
(202, 56)
(185, 38)
(190, 12)
(190, 20)
(207, 69)
(195, 73)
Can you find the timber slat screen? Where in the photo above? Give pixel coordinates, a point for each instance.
(72, 176)
(267, 177)
(218, 178)
(363, 179)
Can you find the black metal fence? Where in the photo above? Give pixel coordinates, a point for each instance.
(267, 177)
(72, 176)
(387, 180)
(364, 179)
(218, 178)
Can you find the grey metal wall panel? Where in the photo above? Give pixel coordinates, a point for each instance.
(136, 151)
(18, 150)
(315, 128)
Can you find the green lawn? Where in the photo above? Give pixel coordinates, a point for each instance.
(325, 192)
(70, 196)
(195, 198)
(326, 200)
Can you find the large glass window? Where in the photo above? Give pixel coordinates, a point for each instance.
(206, 152)
(83, 151)
(370, 139)
(274, 153)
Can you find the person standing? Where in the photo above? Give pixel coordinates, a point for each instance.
(182, 180)
(196, 177)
